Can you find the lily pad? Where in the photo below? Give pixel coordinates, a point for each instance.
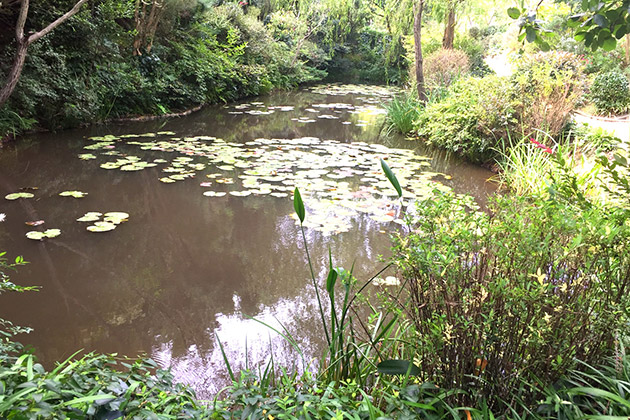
(115, 217)
(91, 216)
(39, 236)
(34, 223)
(74, 194)
(15, 196)
(214, 193)
(101, 227)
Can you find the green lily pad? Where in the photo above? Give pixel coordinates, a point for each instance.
(115, 217)
(87, 156)
(74, 194)
(39, 236)
(214, 193)
(101, 227)
(15, 196)
(91, 216)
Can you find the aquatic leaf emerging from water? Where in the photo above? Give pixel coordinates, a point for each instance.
(34, 223)
(38, 236)
(392, 178)
(298, 205)
(75, 194)
(15, 196)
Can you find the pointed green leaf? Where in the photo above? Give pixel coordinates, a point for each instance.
(331, 280)
(392, 178)
(298, 205)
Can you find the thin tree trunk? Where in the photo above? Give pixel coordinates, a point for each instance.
(22, 44)
(627, 47)
(14, 74)
(449, 29)
(417, 37)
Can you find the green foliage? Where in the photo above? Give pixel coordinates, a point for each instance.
(610, 92)
(600, 24)
(547, 87)
(476, 51)
(472, 120)
(402, 112)
(516, 294)
(7, 329)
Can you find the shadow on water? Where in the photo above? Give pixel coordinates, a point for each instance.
(186, 268)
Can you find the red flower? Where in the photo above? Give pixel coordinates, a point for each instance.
(541, 146)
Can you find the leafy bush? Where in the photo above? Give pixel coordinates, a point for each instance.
(472, 120)
(476, 52)
(547, 87)
(610, 92)
(514, 295)
(444, 66)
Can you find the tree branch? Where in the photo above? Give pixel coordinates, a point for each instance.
(56, 23)
(19, 26)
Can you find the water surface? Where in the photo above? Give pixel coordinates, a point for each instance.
(186, 268)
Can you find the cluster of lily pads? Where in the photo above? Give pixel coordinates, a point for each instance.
(103, 222)
(339, 180)
(109, 222)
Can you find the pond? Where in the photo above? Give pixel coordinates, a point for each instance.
(186, 228)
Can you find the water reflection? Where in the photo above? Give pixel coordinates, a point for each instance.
(185, 269)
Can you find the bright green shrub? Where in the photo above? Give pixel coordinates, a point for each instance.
(610, 92)
(472, 120)
(512, 296)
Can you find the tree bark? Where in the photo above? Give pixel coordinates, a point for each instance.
(449, 29)
(146, 24)
(22, 44)
(417, 37)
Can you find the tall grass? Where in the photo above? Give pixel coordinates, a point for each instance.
(402, 113)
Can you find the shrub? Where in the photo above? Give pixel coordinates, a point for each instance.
(547, 87)
(610, 92)
(512, 296)
(444, 66)
(476, 52)
(472, 119)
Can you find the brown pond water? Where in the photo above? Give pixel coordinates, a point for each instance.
(187, 268)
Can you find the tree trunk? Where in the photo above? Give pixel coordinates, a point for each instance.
(22, 44)
(627, 48)
(146, 24)
(14, 74)
(417, 37)
(449, 29)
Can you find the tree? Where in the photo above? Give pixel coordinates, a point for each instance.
(23, 42)
(600, 25)
(418, 7)
(449, 28)
(147, 16)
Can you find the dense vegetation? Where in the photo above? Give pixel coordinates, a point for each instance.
(94, 67)
(517, 311)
